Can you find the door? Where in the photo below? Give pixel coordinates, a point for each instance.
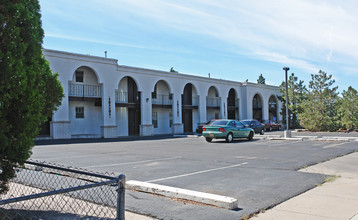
(241, 129)
(231, 114)
(188, 120)
(133, 121)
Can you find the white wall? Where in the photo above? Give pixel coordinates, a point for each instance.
(92, 121)
(122, 121)
(163, 121)
(196, 118)
(211, 114)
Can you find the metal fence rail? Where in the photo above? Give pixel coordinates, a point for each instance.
(46, 191)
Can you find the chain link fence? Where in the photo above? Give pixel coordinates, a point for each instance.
(48, 191)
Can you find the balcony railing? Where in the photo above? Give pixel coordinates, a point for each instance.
(84, 90)
(213, 101)
(121, 97)
(162, 100)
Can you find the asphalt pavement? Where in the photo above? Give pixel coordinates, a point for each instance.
(269, 174)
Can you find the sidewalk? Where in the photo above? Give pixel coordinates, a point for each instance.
(336, 199)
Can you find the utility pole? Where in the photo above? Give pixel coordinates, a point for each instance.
(287, 133)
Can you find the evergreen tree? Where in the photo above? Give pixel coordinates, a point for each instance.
(172, 70)
(319, 109)
(296, 93)
(261, 79)
(348, 109)
(29, 91)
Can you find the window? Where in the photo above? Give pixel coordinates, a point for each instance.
(170, 119)
(239, 125)
(80, 113)
(219, 122)
(155, 119)
(79, 76)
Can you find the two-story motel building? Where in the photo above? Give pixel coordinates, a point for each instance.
(104, 99)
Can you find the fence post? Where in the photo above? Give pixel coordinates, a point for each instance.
(121, 197)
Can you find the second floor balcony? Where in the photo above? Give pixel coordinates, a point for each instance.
(213, 101)
(126, 98)
(162, 100)
(84, 90)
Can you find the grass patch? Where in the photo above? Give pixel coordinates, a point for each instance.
(329, 179)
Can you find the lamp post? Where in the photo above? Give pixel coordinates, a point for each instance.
(287, 133)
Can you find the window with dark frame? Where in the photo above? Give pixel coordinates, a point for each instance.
(170, 119)
(79, 76)
(80, 113)
(155, 119)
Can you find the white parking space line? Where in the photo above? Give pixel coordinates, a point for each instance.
(245, 157)
(136, 162)
(82, 156)
(198, 172)
(334, 145)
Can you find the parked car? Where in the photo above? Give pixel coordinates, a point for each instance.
(254, 124)
(199, 129)
(271, 125)
(227, 129)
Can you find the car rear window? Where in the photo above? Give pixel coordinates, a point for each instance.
(223, 122)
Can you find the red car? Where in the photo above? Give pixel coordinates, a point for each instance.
(271, 125)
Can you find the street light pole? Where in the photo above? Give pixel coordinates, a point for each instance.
(287, 134)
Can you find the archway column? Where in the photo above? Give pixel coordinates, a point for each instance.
(109, 127)
(202, 108)
(177, 114)
(223, 107)
(265, 109)
(146, 126)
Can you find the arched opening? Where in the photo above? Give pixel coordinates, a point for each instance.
(128, 107)
(85, 103)
(162, 101)
(257, 108)
(190, 101)
(232, 105)
(273, 109)
(213, 102)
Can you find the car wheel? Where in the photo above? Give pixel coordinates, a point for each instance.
(208, 139)
(229, 138)
(251, 135)
(262, 132)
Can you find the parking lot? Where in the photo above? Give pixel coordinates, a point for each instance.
(259, 173)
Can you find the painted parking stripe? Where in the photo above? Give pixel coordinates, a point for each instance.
(334, 145)
(195, 173)
(136, 162)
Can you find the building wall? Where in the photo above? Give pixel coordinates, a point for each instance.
(107, 73)
(92, 121)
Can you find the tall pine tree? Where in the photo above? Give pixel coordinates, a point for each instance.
(296, 93)
(319, 109)
(348, 109)
(261, 79)
(29, 91)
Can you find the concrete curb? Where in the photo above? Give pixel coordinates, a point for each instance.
(301, 138)
(206, 198)
(340, 138)
(287, 139)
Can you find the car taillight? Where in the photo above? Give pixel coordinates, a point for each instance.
(222, 129)
(204, 129)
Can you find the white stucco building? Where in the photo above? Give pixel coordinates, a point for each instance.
(104, 99)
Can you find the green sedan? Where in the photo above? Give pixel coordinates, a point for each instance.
(227, 129)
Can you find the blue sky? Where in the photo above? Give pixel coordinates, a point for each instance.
(233, 40)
